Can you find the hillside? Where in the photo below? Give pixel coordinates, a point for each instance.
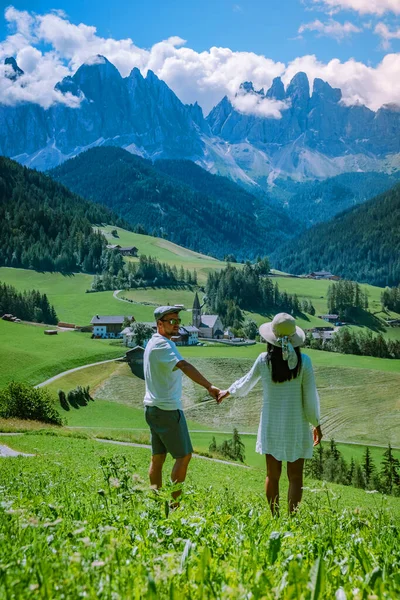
(46, 227)
(311, 202)
(206, 213)
(362, 244)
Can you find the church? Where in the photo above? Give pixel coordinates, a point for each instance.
(209, 326)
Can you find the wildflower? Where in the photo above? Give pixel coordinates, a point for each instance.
(98, 563)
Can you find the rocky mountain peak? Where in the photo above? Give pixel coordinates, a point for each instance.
(299, 88)
(277, 89)
(324, 90)
(13, 71)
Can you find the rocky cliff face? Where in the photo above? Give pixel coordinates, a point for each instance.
(317, 136)
(137, 113)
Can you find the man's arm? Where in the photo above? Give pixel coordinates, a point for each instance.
(195, 375)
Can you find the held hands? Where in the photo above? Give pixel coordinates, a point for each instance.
(222, 395)
(317, 435)
(214, 391)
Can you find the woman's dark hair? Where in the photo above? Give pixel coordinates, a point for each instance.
(280, 367)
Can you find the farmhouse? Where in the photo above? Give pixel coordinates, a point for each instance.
(329, 318)
(108, 326)
(124, 250)
(188, 336)
(323, 275)
(208, 326)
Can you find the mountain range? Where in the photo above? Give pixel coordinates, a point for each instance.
(317, 135)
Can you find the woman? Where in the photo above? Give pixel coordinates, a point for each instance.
(290, 405)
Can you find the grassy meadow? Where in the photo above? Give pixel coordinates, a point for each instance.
(166, 251)
(78, 520)
(27, 355)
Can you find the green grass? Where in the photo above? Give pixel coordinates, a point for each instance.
(78, 520)
(167, 252)
(67, 293)
(357, 405)
(27, 355)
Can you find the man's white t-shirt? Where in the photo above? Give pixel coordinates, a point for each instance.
(163, 384)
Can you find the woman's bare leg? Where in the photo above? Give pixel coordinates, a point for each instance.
(295, 476)
(274, 469)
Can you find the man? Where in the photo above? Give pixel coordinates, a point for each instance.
(163, 368)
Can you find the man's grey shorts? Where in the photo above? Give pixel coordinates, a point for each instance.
(169, 432)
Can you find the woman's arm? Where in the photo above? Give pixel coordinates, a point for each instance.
(242, 386)
(310, 396)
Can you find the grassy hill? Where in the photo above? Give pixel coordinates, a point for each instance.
(26, 354)
(100, 528)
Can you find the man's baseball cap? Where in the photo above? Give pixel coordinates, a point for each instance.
(161, 311)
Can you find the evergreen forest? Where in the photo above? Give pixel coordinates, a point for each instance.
(45, 226)
(362, 244)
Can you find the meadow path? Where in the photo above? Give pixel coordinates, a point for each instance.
(6, 452)
(101, 362)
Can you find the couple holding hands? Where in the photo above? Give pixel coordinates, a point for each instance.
(290, 403)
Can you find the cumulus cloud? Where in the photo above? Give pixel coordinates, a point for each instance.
(331, 28)
(363, 7)
(49, 47)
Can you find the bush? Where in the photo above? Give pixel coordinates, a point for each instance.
(23, 401)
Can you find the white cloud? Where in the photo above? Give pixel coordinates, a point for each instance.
(261, 107)
(386, 34)
(331, 28)
(194, 76)
(373, 7)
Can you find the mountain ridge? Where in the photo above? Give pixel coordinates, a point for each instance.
(316, 137)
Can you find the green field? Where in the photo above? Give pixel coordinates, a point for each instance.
(27, 355)
(166, 251)
(77, 520)
(357, 405)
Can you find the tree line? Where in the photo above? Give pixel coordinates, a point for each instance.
(344, 297)
(232, 290)
(29, 305)
(329, 464)
(360, 343)
(390, 298)
(119, 275)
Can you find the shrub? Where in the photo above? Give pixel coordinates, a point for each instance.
(26, 402)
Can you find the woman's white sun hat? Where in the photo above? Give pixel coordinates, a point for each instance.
(282, 325)
(283, 332)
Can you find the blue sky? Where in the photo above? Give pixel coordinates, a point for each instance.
(268, 27)
(204, 50)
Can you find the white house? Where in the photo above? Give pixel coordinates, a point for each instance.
(108, 326)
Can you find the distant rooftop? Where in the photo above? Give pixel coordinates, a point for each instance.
(109, 319)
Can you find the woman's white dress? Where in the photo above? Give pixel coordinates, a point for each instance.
(288, 410)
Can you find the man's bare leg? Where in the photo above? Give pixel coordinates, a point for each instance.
(155, 470)
(178, 474)
(295, 476)
(274, 470)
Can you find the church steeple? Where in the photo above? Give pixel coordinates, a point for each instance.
(196, 312)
